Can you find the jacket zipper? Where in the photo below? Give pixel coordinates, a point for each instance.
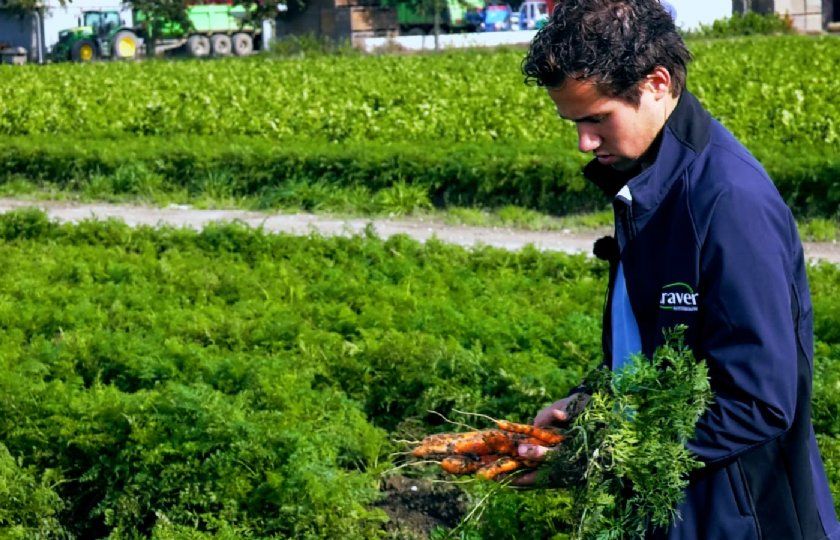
(625, 212)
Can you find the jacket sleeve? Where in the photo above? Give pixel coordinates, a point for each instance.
(746, 329)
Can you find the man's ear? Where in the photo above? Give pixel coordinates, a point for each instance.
(658, 82)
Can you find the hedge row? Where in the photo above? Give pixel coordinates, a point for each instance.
(533, 175)
(528, 175)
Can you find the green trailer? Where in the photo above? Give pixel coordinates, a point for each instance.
(216, 29)
(455, 16)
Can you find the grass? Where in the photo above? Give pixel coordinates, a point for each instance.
(819, 230)
(515, 217)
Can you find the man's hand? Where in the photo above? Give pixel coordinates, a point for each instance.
(559, 413)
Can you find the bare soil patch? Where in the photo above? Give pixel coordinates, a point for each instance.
(417, 506)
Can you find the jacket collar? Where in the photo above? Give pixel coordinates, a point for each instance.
(686, 134)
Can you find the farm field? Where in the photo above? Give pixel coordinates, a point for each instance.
(231, 383)
(228, 383)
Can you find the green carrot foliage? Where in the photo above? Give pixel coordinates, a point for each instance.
(630, 441)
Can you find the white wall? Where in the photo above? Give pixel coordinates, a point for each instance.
(447, 41)
(60, 18)
(806, 14)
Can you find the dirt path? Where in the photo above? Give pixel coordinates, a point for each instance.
(420, 229)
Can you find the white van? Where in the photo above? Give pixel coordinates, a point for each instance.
(533, 14)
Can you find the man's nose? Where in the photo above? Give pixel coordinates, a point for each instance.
(587, 140)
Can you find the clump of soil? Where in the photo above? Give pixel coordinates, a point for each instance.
(416, 506)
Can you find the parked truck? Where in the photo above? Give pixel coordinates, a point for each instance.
(216, 29)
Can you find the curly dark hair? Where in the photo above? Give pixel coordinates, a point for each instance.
(616, 43)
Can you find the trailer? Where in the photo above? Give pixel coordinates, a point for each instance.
(455, 16)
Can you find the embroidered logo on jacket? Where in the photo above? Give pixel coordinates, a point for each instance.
(678, 297)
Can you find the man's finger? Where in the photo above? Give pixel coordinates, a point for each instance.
(532, 451)
(560, 415)
(527, 480)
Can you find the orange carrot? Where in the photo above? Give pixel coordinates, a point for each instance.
(503, 465)
(439, 444)
(547, 436)
(459, 464)
(465, 464)
(500, 442)
(531, 440)
(491, 441)
(475, 444)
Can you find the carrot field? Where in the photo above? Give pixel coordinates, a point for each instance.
(231, 383)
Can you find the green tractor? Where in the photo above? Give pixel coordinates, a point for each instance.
(103, 34)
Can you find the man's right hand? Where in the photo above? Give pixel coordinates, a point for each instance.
(559, 413)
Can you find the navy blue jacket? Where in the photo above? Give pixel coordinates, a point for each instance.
(704, 239)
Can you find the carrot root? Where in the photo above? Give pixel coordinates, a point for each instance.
(501, 466)
(547, 436)
(466, 464)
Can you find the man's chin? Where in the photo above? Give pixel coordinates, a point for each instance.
(622, 165)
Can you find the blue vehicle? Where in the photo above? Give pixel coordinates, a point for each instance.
(497, 18)
(474, 18)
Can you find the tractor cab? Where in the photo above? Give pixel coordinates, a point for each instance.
(101, 22)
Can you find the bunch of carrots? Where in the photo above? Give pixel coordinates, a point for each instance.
(487, 453)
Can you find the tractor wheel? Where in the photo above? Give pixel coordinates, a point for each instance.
(83, 50)
(198, 46)
(243, 44)
(221, 44)
(124, 45)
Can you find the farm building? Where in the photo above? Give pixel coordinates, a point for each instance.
(807, 15)
(811, 15)
(339, 19)
(21, 30)
(37, 30)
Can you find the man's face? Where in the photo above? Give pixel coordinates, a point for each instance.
(617, 132)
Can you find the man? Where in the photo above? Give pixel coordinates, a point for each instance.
(702, 238)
